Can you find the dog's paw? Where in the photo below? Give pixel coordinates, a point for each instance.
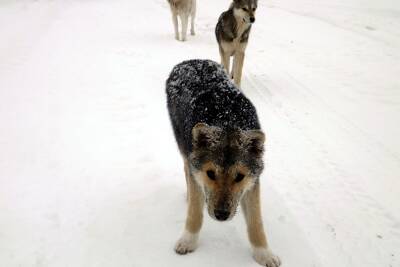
(265, 257)
(184, 39)
(187, 243)
(192, 32)
(177, 37)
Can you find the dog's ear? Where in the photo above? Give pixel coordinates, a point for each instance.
(205, 136)
(253, 141)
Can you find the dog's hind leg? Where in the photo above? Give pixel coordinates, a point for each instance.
(184, 20)
(192, 17)
(175, 22)
(255, 229)
(194, 220)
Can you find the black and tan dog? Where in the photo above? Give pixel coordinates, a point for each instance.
(232, 32)
(219, 136)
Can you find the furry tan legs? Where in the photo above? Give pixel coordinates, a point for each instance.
(225, 60)
(194, 220)
(255, 229)
(175, 22)
(184, 21)
(237, 67)
(193, 16)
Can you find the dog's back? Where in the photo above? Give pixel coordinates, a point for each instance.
(200, 91)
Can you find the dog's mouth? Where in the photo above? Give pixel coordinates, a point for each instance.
(249, 21)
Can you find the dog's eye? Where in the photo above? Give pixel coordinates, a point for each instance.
(239, 177)
(245, 9)
(254, 9)
(211, 174)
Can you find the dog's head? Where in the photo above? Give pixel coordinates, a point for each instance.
(245, 9)
(225, 163)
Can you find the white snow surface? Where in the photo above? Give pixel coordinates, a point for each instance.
(90, 174)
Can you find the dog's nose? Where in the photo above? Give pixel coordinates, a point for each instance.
(252, 19)
(221, 215)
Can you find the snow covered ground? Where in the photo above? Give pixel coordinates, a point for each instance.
(89, 170)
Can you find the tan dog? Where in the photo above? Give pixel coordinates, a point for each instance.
(183, 9)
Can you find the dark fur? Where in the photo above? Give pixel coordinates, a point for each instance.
(200, 91)
(218, 133)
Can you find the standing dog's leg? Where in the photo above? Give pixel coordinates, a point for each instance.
(188, 241)
(234, 66)
(175, 21)
(225, 59)
(238, 66)
(193, 16)
(187, 174)
(184, 20)
(252, 212)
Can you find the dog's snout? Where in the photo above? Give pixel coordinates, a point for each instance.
(252, 19)
(221, 215)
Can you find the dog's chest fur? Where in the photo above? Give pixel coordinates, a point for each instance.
(241, 27)
(232, 33)
(238, 43)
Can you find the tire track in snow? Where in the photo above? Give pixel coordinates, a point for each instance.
(286, 99)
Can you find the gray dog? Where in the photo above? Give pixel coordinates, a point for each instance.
(232, 32)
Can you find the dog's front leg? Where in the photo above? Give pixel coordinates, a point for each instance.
(234, 67)
(252, 212)
(238, 66)
(225, 59)
(193, 16)
(188, 241)
(184, 20)
(175, 22)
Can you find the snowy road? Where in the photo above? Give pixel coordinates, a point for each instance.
(89, 170)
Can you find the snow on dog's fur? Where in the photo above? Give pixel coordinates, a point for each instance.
(219, 136)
